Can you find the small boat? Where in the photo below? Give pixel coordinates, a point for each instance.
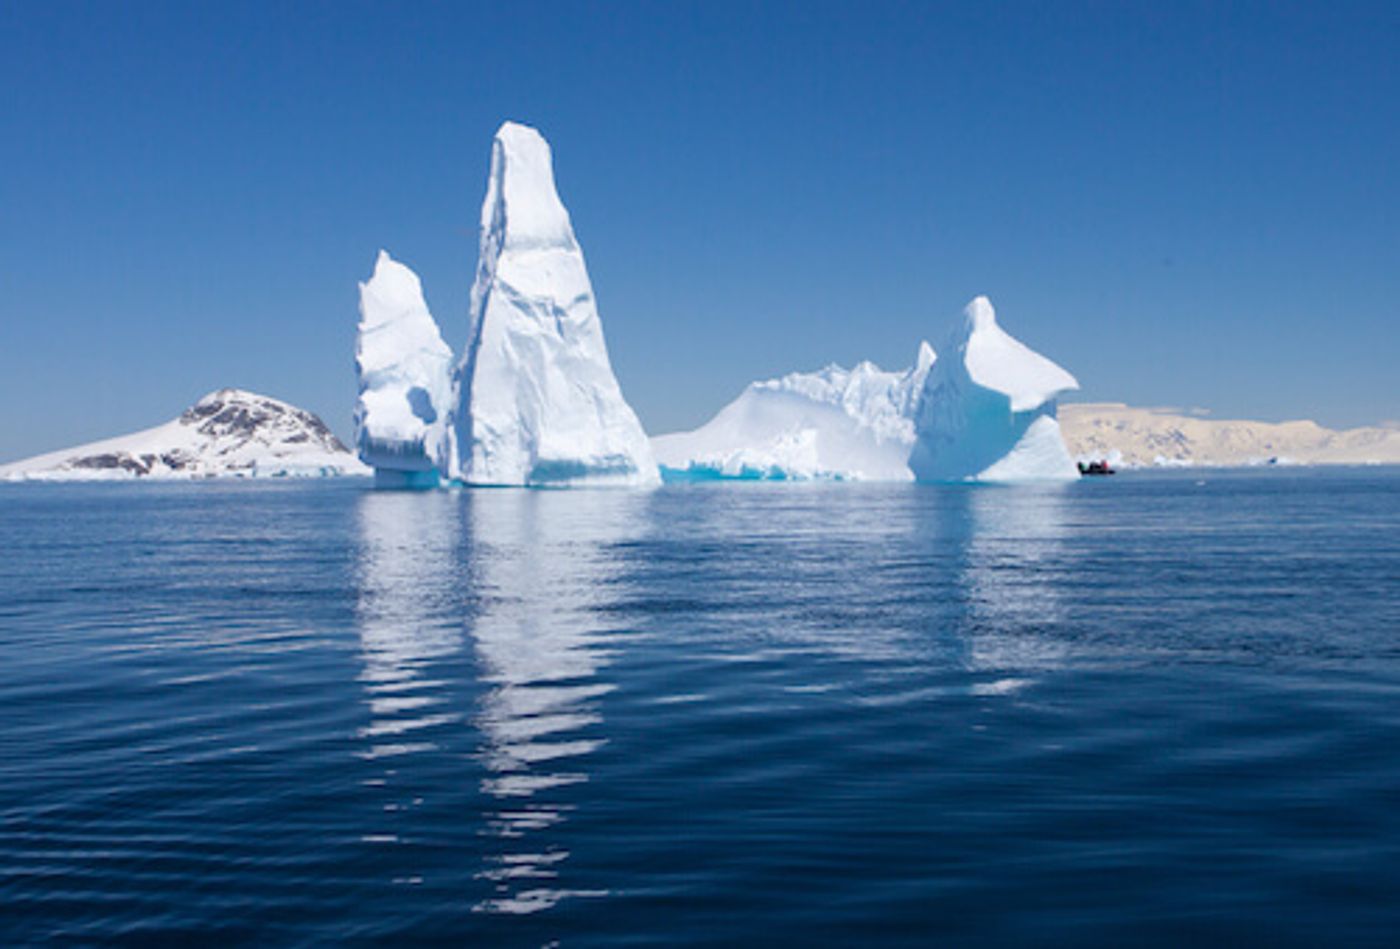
(1095, 468)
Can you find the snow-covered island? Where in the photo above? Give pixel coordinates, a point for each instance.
(228, 433)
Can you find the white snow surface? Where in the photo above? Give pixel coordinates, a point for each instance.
(228, 433)
(997, 361)
(405, 374)
(839, 424)
(537, 401)
(987, 411)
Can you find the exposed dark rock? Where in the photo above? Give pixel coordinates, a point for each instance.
(110, 462)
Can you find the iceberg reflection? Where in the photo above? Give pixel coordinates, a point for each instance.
(1013, 567)
(408, 581)
(549, 564)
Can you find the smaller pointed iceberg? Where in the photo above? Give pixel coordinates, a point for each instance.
(537, 401)
(987, 410)
(405, 380)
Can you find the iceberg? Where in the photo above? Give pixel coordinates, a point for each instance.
(405, 380)
(987, 410)
(984, 411)
(836, 424)
(533, 400)
(537, 402)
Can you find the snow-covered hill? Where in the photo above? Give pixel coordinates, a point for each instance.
(1139, 437)
(228, 433)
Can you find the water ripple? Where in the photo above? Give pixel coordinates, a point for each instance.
(1147, 710)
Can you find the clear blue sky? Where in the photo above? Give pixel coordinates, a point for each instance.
(1185, 204)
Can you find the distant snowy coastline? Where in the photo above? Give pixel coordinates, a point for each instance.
(1131, 437)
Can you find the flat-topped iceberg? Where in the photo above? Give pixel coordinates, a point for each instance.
(405, 379)
(839, 424)
(987, 410)
(537, 401)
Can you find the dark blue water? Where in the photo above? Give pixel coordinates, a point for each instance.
(1151, 709)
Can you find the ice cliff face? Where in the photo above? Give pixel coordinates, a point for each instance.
(536, 400)
(841, 424)
(228, 433)
(987, 411)
(405, 377)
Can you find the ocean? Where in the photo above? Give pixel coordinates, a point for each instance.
(1152, 709)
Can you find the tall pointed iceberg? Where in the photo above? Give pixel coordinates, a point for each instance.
(537, 401)
(987, 412)
(405, 379)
